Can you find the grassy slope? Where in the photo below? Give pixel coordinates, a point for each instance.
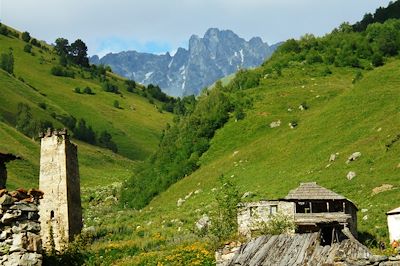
(135, 128)
(343, 117)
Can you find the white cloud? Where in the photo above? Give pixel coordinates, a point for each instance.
(173, 21)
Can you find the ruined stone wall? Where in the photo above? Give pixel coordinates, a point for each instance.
(252, 215)
(20, 241)
(60, 208)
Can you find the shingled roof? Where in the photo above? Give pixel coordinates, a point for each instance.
(312, 191)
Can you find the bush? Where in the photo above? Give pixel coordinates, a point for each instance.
(116, 104)
(277, 224)
(4, 30)
(357, 77)
(105, 141)
(25, 36)
(88, 90)
(224, 218)
(377, 60)
(7, 62)
(62, 72)
(42, 105)
(28, 48)
(27, 124)
(108, 87)
(36, 43)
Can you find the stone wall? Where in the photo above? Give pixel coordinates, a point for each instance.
(251, 215)
(20, 241)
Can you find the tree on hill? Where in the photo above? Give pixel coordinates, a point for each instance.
(381, 15)
(105, 141)
(61, 46)
(84, 132)
(75, 53)
(25, 36)
(78, 52)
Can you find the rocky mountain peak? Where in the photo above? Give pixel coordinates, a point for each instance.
(217, 54)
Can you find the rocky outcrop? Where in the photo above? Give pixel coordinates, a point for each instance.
(20, 241)
(217, 54)
(300, 249)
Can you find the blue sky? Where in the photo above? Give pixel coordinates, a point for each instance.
(158, 26)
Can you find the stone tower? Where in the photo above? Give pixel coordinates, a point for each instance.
(60, 209)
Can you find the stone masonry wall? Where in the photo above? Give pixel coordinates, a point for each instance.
(20, 241)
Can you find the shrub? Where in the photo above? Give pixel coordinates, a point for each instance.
(7, 62)
(377, 60)
(36, 43)
(77, 90)
(62, 72)
(105, 141)
(357, 77)
(25, 36)
(4, 30)
(116, 104)
(87, 90)
(28, 48)
(278, 223)
(224, 219)
(42, 105)
(108, 87)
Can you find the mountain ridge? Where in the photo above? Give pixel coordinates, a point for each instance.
(217, 54)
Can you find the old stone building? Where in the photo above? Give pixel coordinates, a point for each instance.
(393, 219)
(312, 207)
(60, 209)
(5, 158)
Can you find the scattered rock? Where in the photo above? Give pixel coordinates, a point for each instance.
(289, 109)
(203, 223)
(364, 210)
(302, 107)
(379, 129)
(328, 165)
(354, 157)
(180, 202)
(292, 124)
(382, 188)
(198, 191)
(351, 175)
(332, 158)
(235, 153)
(398, 166)
(188, 195)
(247, 194)
(365, 217)
(275, 124)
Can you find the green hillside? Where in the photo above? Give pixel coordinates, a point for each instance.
(341, 95)
(135, 126)
(342, 118)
